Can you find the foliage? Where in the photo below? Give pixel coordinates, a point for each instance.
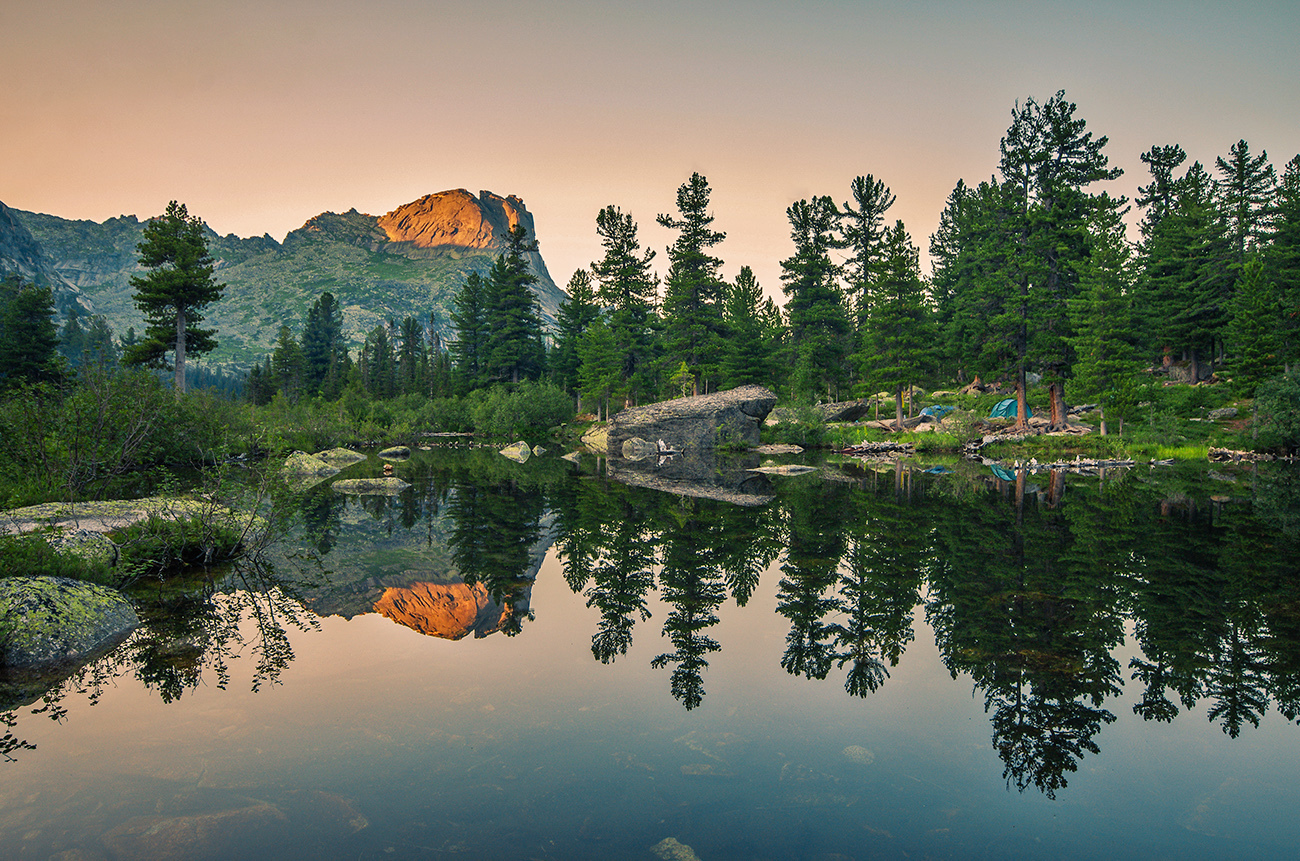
(31, 554)
(28, 337)
(1277, 413)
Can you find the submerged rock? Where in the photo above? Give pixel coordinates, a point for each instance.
(386, 486)
(669, 849)
(195, 836)
(49, 621)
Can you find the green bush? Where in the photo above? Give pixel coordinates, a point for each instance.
(1277, 413)
(162, 545)
(31, 555)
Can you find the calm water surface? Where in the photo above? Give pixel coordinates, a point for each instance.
(853, 664)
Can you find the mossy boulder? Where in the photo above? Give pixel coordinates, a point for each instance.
(50, 621)
(340, 456)
(302, 464)
(397, 452)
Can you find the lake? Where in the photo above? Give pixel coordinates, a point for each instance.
(537, 661)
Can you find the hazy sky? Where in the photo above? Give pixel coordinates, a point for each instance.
(259, 115)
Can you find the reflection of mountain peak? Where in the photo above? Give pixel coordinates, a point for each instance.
(447, 610)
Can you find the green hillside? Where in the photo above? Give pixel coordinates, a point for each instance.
(271, 283)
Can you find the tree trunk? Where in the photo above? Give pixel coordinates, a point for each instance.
(1022, 402)
(1103, 421)
(1057, 390)
(898, 408)
(179, 385)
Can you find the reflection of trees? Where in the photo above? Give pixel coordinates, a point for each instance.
(889, 544)
(494, 528)
(190, 629)
(1014, 606)
(692, 582)
(321, 515)
(814, 516)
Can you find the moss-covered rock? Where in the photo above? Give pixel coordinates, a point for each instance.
(48, 621)
(340, 456)
(301, 464)
(397, 452)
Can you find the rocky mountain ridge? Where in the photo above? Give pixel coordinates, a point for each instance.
(408, 262)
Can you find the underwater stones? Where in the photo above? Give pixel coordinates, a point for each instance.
(386, 486)
(669, 849)
(340, 456)
(857, 753)
(193, 837)
(519, 452)
(396, 452)
(49, 621)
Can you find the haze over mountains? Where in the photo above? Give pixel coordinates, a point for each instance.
(407, 262)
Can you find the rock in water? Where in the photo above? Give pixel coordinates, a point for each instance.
(301, 463)
(859, 754)
(397, 452)
(48, 621)
(386, 486)
(340, 456)
(698, 424)
(517, 451)
(669, 849)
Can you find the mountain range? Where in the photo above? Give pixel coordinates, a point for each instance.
(407, 262)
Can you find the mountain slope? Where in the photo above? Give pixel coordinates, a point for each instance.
(408, 262)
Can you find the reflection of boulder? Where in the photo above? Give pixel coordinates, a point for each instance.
(49, 621)
(386, 486)
(696, 425)
(519, 452)
(730, 479)
(447, 610)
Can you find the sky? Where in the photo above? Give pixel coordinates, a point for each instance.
(260, 114)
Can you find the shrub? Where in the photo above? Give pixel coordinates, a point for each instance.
(1277, 413)
(161, 545)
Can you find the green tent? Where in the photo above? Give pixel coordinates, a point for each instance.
(1006, 409)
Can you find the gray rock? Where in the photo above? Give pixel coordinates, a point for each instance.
(698, 424)
(1223, 413)
(397, 452)
(639, 449)
(50, 621)
(340, 456)
(302, 464)
(844, 411)
(386, 486)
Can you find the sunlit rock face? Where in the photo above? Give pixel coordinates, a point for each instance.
(456, 218)
(447, 610)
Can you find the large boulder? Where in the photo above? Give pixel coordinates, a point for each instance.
(47, 622)
(695, 425)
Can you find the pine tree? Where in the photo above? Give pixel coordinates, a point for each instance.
(173, 294)
(629, 290)
(412, 358)
(513, 345)
(288, 366)
(900, 331)
(469, 318)
(864, 233)
(322, 348)
(29, 340)
(1107, 364)
(1245, 193)
(754, 329)
(692, 307)
(1252, 329)
(602, 368)
(574, 315)
(819, 324)
(1282, 260)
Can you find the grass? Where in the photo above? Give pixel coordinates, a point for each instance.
(1182, 452)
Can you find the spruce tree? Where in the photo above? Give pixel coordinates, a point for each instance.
(900, 332)
(513, 344)
(753, 328)
(1107, 364)
(819, 323)
(574, 315)
(29, 340)
(469, 318)
(1252, 329)
(864, 232)
(173, 294)
(1245, 193)
(692, 307)
(629, 290)
(1282, 260)
(322, 348)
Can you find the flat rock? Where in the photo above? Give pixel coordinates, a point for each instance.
(46, 622)
(302, 464)
(396, 452)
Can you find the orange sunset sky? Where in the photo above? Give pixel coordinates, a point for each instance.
(259, 115)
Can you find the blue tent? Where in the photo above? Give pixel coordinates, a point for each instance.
(937, 410)
(1006, 409)
(1002, 472)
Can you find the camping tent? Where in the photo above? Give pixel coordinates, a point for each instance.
(1006, 409)
(937, 410)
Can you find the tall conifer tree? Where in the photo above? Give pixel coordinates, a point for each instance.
(692, 307)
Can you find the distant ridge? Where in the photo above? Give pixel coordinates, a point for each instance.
(408, 262)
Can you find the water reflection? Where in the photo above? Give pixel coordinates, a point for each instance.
(1029, 583)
